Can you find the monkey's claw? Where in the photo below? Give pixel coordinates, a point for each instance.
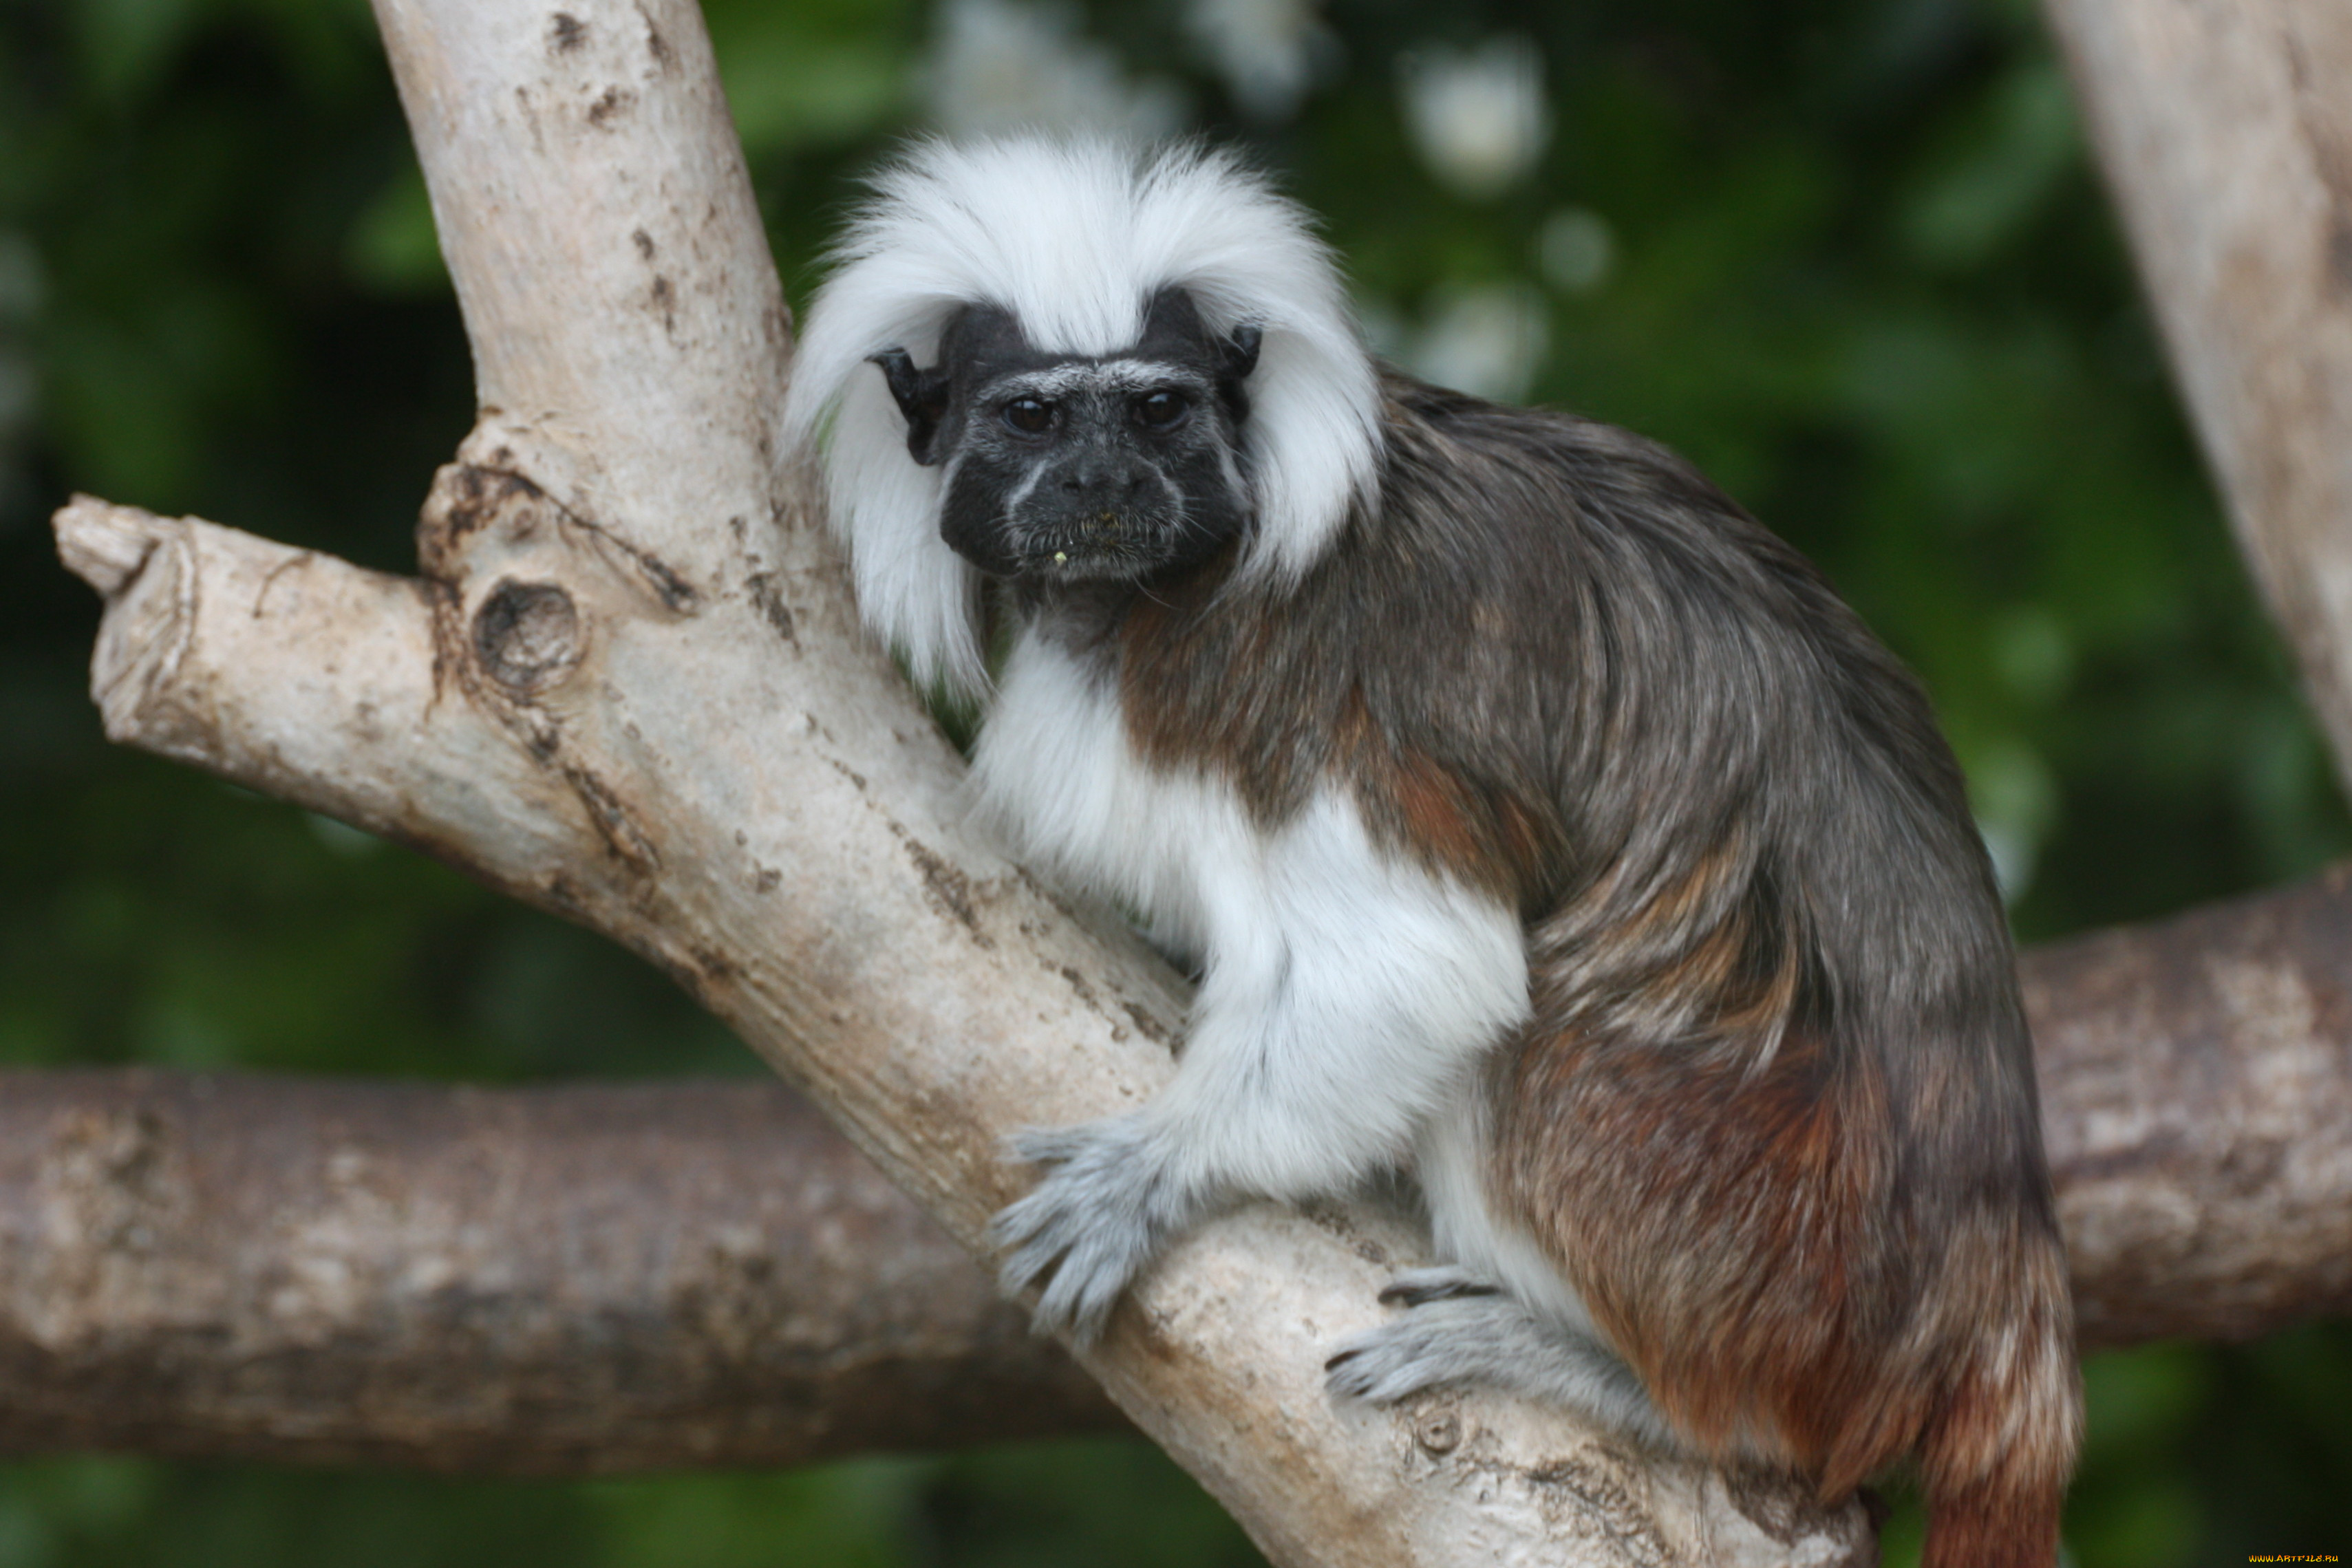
(1419, 1287)
(1103, 1209)
(1393, 1361)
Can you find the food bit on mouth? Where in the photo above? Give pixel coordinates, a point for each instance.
(1060, 558)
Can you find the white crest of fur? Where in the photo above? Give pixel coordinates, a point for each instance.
(1074, 237)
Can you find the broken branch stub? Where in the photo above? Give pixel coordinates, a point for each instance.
(631, 687)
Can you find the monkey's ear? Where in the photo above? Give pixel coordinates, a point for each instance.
(922, 397)
(1237, 357)
(1241, 351)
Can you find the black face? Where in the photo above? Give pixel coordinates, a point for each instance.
(1066, 468)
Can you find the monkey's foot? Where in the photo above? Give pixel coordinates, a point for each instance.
(1445, 1338)
(1104, 1208)
(1491, 1341)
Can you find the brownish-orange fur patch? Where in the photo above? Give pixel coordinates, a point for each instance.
(1483, 839)
(1715, 1217)
(1736, 1230)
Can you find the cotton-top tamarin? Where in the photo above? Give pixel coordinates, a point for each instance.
(1539, 823)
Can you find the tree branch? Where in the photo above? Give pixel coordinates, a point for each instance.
(2226, 134)
(632, 688)
(2196, 1089)
(545, 1282)
(580, 1280)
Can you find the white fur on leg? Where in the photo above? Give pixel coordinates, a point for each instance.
(1346, 993)
(1451, 1162)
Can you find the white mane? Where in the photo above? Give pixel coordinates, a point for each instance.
(1074, 237)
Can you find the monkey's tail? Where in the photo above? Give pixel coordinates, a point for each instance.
(1995, 1466)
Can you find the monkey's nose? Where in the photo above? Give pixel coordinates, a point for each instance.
(1105, 481)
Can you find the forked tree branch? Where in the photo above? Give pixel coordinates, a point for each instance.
(630, 687)
(583, 1280)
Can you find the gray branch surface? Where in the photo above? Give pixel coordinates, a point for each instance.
(585, 1279)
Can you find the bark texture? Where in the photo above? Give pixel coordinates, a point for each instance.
(581, 1279)
(630, 687)
(547, 1282)
(2226, 133)
(2197, 1083)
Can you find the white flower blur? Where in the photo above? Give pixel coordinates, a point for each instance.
(1266, 50)
(1006, 65)
(1478, 115)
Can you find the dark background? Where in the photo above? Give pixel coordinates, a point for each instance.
(1848, 254)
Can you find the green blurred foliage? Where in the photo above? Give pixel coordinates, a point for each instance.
(1848, 254)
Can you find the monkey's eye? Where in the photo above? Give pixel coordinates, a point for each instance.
(1029, 415)
(1162, 410)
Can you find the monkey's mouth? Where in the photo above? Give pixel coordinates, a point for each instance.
(1095, 545)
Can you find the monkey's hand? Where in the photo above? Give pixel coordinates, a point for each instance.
(1107, 1204)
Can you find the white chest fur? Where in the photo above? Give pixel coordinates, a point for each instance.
(1059, 782)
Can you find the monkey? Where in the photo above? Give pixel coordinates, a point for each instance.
(1540, 825)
